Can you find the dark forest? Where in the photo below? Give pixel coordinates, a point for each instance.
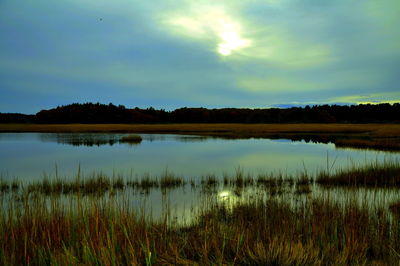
(96, 113)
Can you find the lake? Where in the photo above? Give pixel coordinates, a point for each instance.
(30, 156)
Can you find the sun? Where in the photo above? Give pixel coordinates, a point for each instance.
(230, 39)
(213, 25)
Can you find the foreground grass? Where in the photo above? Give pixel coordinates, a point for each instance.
(261, 232)
(64, 222)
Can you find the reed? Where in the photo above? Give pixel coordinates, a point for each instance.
(97, 231)
(375, 174)
(55, 221)
(395, 209)
(145, 183)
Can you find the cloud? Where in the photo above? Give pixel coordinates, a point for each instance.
(243, 53)
(231, 32)
(274, 46)
(209, 23)
(373, 98)
(276, 84)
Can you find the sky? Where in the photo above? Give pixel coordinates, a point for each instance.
(198, 53)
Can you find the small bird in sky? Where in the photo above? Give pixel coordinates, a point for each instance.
(101, 19)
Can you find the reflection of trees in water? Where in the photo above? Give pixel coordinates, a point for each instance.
(325, 139)
(81, 139)
(99, 139)
(181, 138)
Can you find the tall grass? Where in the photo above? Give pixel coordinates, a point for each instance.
(79, 221)
(374, 174)
(98, 231)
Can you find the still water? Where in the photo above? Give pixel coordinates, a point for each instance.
(30, 156)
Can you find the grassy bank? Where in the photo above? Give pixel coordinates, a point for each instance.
(386, 144)
(245, 130)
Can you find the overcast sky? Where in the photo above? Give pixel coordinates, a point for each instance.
(170, 53)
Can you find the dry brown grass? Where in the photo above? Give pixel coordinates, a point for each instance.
(251, 130)
(379, 144)
(261, 232)
(38, 227)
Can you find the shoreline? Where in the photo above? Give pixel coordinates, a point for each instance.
(365, 136)
(375, 130)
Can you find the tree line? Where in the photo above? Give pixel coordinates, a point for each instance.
(93, 113)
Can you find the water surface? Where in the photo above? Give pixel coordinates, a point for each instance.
(30, 156)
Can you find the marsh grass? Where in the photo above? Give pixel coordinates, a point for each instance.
(386, 144)
(132, 139)
(373, 130)
(44, 228)
(303, 189)
(395, 209)
(382, 136)
(375, 174)
(264, 231)
(79, 221)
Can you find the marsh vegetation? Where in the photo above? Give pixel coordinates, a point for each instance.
(92, 220)
(337, 214)
(373, 136)
(131, 139)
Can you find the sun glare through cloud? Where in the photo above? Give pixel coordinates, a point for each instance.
(230, 39)
(228, 53)
(212, 24)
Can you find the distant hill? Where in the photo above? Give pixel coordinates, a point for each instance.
(96, 113)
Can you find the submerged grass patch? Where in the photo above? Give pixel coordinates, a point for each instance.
(374, 175)
(134, 139)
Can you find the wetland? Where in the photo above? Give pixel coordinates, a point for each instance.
(149, 198)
